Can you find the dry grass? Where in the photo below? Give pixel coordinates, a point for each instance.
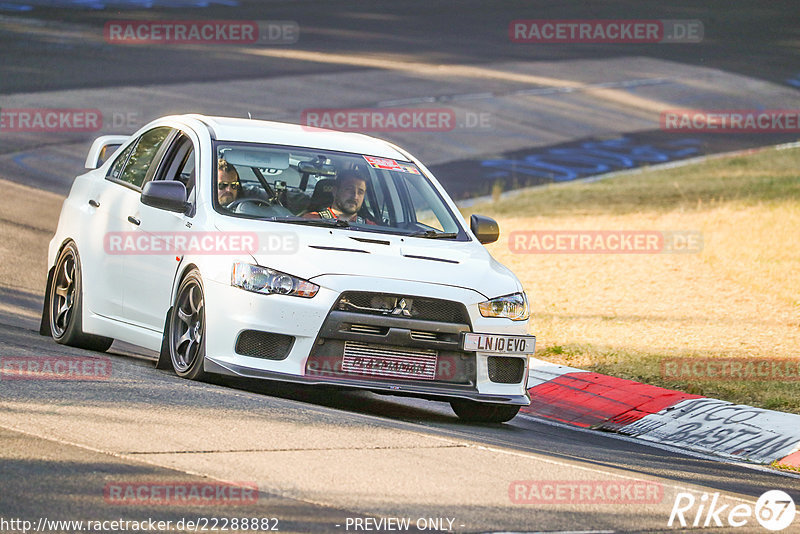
(623, 314)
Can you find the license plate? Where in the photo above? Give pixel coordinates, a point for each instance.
(499, 343)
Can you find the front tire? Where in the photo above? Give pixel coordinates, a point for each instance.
(66, 304)
(483, 412)
(187, 329)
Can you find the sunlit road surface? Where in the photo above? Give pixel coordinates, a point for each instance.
(318, 458)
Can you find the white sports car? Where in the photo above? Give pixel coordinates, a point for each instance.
(283, 252)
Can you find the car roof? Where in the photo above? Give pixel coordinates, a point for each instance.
(281, 133)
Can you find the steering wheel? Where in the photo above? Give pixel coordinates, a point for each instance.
(236, 205)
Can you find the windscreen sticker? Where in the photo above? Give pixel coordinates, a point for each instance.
(409, 168)
(382, 163)
(390, 165)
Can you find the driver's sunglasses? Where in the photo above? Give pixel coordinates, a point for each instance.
(224, 185)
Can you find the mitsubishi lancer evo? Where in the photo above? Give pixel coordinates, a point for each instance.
(283, 252)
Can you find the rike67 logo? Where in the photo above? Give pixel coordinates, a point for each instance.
(774, 511)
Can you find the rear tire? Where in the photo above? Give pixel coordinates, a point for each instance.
(483, 412)
(65, 304)
(187, 329)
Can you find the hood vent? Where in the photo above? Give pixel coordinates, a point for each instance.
(373, 241)
(429, 258)
(338, 249)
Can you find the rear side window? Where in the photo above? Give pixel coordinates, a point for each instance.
(116, 169)
(141, 157)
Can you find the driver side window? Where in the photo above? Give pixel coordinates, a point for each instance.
(178, 164)
(186, 175)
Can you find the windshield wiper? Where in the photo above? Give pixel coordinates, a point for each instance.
(433, 234)
(334, 223)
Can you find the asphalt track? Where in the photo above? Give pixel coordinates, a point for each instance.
(321, 457)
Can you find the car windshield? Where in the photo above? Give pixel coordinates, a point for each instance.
(318, 187)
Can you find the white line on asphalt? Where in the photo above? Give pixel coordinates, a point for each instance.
(610, 474)
(538, 456)
(411, 427)
(538, 91)
(662, 446)
(625, 99)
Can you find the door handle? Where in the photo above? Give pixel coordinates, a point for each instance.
(93, 203)
(134, 220)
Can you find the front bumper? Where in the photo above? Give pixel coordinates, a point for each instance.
(320, 333)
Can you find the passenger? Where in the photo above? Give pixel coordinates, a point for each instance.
(228, 184)
(348, 197)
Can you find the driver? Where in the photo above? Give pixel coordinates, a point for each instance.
(348, 196)
(228, 184)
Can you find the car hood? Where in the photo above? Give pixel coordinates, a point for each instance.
(310, 252)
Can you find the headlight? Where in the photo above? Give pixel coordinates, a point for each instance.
(514, 307)
(268, 281)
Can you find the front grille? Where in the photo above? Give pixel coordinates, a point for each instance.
(403, 306)
(328, 361)
(388, 361)
(505, 370)
(265, 345)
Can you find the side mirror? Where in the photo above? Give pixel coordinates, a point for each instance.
(169, 195)
(102, 148)
(485, 229)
